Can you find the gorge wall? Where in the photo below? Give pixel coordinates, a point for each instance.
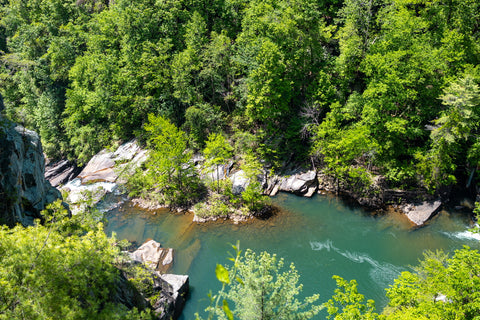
(24, 192)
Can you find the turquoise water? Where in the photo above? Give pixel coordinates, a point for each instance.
(323, 236)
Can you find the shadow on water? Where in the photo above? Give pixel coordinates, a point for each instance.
(322, 235)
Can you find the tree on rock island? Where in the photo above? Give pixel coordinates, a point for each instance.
(168, 176)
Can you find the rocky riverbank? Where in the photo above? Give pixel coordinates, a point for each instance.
(108, 169)
(169, 290)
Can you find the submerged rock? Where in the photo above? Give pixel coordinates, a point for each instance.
(24, 192)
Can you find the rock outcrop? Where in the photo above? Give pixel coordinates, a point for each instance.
(60, 172)
(301, 183)
(173, 293)
(171, 289)
(239, 182)
(24, 192)
(102, 174)
(107, 166)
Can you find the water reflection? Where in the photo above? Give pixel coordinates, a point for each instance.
(323, 236)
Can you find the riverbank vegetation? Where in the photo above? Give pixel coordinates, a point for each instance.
(361, 88)
(169, 176)
(64, 268)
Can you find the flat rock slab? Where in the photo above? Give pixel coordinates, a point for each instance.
(106, 165)
(419, 214)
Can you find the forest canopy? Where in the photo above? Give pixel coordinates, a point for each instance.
(384, 87)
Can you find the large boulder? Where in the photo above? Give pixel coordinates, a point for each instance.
(107, 166)
(24, 192)
(420, 213)
(173, 293)
(239, 182)
(153, 256)
(127, 294)
(302, 183)
(167, 301)
(171, 289)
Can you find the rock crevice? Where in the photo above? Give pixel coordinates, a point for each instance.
(23, 188)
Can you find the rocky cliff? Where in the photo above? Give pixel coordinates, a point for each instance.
(24, 192)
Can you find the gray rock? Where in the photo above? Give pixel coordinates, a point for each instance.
(60, 172)
(420, 213)
(23, 188)
(127, 294)
(239, 182)
(153, 256)
(300, 183)
(106, 165)
(311, 191)
(171, 290)
(173, 293)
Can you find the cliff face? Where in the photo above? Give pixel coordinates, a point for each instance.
(24, 192)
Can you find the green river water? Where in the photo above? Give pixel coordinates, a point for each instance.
(323, 236)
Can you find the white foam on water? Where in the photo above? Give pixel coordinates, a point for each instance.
(381, 273)
(466, 234)
(76, 185)
(318, 246)
(77, 190)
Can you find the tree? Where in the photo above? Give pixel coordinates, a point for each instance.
(217, 151)
(260, 287)
(252, 195)
(348, 304)
(187, 64)
(169, 177)
(455, 134)
(355, 36)
(201, 120)
(440, 288)
(48, 272)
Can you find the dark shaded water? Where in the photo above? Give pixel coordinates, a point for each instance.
(323, 236)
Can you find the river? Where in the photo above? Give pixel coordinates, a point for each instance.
(323, 236)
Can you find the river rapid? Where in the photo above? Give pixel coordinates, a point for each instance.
(322, 236)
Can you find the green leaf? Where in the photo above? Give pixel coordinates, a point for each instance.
(227, 311)
(222, 274)
(239, 280)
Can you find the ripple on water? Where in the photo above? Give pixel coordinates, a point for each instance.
(382, 273)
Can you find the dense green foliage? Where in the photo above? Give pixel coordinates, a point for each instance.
(168, 177)
(63, 269)
(367, 87)
(442, 287)
(348, 304)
